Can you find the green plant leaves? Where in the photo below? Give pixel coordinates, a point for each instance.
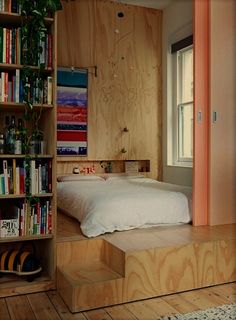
(33, 33)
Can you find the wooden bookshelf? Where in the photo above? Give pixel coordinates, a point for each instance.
(44, 243)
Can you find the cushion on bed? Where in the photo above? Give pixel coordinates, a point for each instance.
(123, 177)
(79, 177)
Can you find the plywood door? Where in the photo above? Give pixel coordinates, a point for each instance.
(223, 102)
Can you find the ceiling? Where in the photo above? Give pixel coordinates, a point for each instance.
(157, 4)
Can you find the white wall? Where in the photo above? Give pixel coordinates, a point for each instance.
(177, 24)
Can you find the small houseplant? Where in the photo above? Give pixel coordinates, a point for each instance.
(33, 34)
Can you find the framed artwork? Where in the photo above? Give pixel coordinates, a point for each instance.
(72, 105)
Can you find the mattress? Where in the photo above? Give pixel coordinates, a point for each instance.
(118, 204)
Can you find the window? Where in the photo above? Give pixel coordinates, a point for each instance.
(183, 106)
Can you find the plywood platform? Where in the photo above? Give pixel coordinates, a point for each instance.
(138, 264)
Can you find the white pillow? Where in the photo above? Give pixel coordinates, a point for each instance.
(123, 177)
(79, 177)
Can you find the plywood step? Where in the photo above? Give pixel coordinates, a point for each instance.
(119, 277)
(89, 273)
(82, 287)
(98, 271)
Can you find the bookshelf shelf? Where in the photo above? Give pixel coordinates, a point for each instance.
(14, 285)
(14, 19)
(12, 66)
(22, 156)
(13, 106)
(22, 196)
(26, 238)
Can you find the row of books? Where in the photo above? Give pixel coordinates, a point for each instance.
(12, 89)
(12, 50)
(10, 6)
(12, 178)
(22, 219)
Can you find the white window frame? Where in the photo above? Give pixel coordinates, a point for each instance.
(176, 89)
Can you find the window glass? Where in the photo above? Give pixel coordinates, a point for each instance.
(183, 106)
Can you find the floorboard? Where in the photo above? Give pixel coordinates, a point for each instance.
(62, 309)
(3, 310)
(42, 307)
(180, 304)
(204, 299)
(19, 308)
(120, 312)
(50, 306)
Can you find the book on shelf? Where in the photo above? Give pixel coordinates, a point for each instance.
(10, 6)
(12, 176)
(6, 177)
(12, 48)
(9, 220)
(22, 219)
(36, 220)
(11, 88)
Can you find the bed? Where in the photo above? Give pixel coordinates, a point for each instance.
(122, 203)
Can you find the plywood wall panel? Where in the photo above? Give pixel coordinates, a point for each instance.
(76, 33)
(127, 91)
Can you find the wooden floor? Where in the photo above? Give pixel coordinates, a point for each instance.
(49, 306)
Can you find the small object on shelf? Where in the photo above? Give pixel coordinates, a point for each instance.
(11, 136)
(20, 262)
(131, 166)
(19, 138)
(76, 170)
(2, 143)
(9, 228)
(7, 123)
(107, 166)
(37, 145)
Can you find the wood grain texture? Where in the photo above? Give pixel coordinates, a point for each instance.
(42, 306)
(196, 257)
(180, 303)
(66, 166)
(3, 310)
(62, 309)
(228, 291)
(151, 309)
(120, 312)
(97, 314)
(127, 91)
(82, 251)
(16, 287)
(19, 308)
(204, 299)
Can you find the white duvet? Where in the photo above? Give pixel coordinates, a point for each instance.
(120, 204)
